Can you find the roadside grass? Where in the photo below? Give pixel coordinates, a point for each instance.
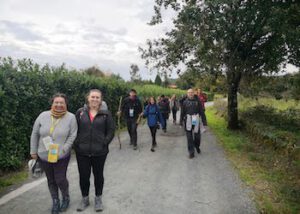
(13, 178)
(282, 104)
(272, 188)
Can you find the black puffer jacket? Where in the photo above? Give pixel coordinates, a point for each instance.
(93, 137)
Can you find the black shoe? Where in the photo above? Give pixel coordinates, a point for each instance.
(55, 207)
(198, 150)
(165, 130)
(192, 155)
(135, 147)
(152, 148)
(64, 204)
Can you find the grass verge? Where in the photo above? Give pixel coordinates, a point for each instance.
(271, 193)
(12, 178)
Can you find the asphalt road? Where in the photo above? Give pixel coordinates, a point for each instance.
(145, 182)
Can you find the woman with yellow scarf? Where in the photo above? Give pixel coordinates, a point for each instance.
(51, 142)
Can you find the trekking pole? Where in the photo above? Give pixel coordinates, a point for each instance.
(119, 123)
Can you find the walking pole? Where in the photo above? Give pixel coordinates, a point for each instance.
(119, 123)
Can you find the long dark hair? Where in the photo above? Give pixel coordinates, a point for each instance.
(153, 99)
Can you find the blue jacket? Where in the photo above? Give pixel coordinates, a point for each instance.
(153, 115)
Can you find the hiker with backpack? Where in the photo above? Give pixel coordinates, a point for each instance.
(131, 108)
(95, 132)
(154, 117)
(164, 107)
(191, 114)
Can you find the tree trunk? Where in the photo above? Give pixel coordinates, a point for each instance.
(233, 85)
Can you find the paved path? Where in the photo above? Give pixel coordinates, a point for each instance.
(142, 182)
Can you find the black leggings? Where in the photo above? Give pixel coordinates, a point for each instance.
(85, 164)
(174, 112)
(153, 134)
(57, 177)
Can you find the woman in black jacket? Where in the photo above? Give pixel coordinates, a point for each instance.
(95, 131)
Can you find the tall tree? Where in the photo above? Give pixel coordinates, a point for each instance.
(134, 73)
(236, 37)
(158, 80)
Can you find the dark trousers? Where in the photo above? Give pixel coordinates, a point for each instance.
(153, 134)
(56, 174)
(193, 140)
(85, 165)
(165, 117)
(174, 112)
(132, 127)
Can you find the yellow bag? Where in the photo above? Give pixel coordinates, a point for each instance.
(53, 153)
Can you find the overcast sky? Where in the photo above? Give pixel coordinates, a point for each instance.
(106, 33)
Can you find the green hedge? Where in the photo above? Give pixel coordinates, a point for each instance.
(25, 91)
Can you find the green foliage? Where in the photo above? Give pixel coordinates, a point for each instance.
(154, 90)
(272, 174)
(235, 37)
(25, 91)
(158, 80)
(94, 71)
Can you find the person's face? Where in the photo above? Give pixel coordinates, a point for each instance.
(59, 104)
(190, 93)
(94, 99)
(132, 94)
(152, 100)
(199, 91)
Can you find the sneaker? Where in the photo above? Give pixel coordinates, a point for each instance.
(64, 204)
(198, 150)
(191, 156)
(84, 203)
(98, 204)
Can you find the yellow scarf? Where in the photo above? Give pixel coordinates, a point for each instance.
(58, 114)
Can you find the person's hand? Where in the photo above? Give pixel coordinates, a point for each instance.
(141, 114)
(119, 113)
(34, 156)
(204, 128)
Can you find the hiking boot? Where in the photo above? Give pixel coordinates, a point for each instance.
(152, 148)
(83, 203)
(98, 204)
(64, 204)
(191, 156)
(198, 150)
(55, 207)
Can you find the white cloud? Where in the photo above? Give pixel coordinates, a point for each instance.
(79, 33)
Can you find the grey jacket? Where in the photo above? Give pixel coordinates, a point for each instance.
(64, 134)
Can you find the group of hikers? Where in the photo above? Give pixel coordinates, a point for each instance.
(91, 130)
